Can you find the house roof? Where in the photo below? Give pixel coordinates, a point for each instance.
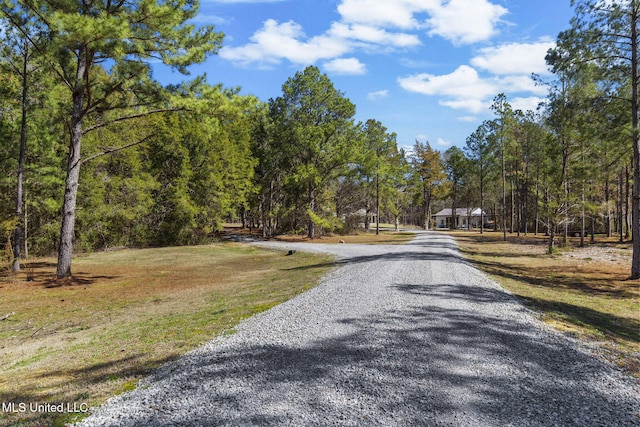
(461, 212)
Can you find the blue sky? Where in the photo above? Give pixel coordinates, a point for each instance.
(426, 69)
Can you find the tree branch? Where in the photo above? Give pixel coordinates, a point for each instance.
(116, 149)
(133, 116)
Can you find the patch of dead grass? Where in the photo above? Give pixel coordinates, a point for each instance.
(124, 313)
(386, 237)
(582, 291)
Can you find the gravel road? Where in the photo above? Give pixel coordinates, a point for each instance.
(406, 335)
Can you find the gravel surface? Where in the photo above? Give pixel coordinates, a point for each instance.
(406, 335)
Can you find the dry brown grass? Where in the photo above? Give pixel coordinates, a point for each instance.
(581, 291)
(124, 313)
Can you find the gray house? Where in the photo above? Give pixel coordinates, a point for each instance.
(464, 217)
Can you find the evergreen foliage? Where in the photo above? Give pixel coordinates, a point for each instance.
(121, 161)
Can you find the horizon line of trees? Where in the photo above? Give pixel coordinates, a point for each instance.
(96, 154)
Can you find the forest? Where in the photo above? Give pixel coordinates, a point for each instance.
(95, 154)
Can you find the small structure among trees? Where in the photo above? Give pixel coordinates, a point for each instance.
(463, 218)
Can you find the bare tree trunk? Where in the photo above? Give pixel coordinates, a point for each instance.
(377, 205)
(620, 206)
(627, 193)
(311, 232)
(635, 205)
(607, 203)
(537, 208)
(25, 239)
(504, 193)
(481, 203)
(21, 160)
(65, 250)
(583, 221)
(513, 208)
(426, 209)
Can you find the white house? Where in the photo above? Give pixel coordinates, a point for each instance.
(465, 218)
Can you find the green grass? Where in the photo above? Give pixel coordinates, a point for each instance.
(125, 313)
(591, 299)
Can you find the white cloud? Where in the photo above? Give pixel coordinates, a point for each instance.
(520, 84)
(459, 21)
(463, 82)
(442, 142)
(524, 104)
(370, 34)
(209, 19)
(275, 41)
(465, 89)
(465, 21)
(380, 94)
(346, 66)
(475, 106)
(388, 13)
(368, 24)
(514, 58)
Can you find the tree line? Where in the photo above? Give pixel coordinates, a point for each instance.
(97, 154)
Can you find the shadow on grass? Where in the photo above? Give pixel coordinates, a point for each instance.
(75, 386)
(553, 278)
(614, 326)
(80, 279)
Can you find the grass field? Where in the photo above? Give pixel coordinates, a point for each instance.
(125, 313)
(581, 291)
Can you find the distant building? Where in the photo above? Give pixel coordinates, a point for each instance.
(464, 217)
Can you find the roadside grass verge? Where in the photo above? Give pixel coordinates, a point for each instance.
(125, 313)
(580, 291)
(387, 236)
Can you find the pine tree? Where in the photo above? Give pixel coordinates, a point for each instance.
(101, 52)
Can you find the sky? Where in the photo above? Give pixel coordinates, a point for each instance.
(428, 70)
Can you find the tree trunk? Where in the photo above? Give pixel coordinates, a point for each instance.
(311, 232)
(552, 237)
(513, 205)
(627, 193)
(17, 234)
(377, 205)
(504, 194)
(481, 203)
(453, 210)
(621, 207)
(425, 210)
(635, 205)
(583, 224)
(65, 250)
(607, 203)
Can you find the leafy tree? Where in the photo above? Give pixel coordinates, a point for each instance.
(605, 34)
(504, 123)
(480, 149)
(429, 174)
(457, 169)
(380, 149)
(316, 133)
(101, 53)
